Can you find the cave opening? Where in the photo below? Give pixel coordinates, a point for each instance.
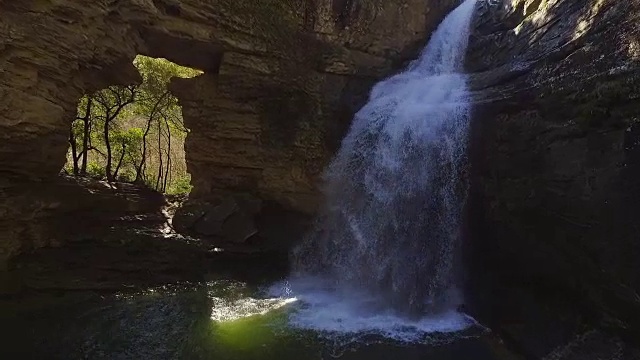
(133, 133)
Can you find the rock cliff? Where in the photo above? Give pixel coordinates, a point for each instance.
(555, 190)
(281, 81)
(556, 164)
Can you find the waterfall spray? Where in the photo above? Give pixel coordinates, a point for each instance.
(390, 229)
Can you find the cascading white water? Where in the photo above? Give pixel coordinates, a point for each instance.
(395, 192)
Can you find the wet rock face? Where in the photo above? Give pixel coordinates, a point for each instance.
(556, 185)
(282, 80)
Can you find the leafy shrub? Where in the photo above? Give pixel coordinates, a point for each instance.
(96, 170)
(127, 175)
(181, 186)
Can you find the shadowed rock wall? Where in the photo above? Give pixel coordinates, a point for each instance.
(556, 165)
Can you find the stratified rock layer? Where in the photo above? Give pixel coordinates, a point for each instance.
(281, 81)
(556, 163)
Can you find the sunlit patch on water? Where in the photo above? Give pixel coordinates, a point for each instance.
(232, 301)
(225, 310)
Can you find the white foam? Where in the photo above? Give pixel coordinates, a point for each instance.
(349, 313)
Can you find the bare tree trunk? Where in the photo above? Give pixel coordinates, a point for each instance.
(159, 178)
(143, 158)
(168, 168)
(107, 143)
(74, 150)
(143, 161)
(144, 172)
(86, 136)
(124, 149)
(170, 173)
(111, 114)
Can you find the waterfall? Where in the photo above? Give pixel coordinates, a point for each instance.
(382, 257)
(396, 189)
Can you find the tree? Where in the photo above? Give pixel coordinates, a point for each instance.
(84, 114)
(86, 134)
(133, 133)
(152, 116)
(129, 142)
(161, 110)
(74, 148)
(112, 101)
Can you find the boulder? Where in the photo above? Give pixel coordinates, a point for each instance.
(230, 219)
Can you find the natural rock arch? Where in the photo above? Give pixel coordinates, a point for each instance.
(281, 83)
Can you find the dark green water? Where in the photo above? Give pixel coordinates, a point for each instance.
(175, 322)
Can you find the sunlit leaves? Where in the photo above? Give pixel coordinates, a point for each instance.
(140, 123)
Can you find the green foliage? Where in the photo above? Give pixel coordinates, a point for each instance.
(157, 73)
(181, 186)
(131, 136)
(144, 128)
(96, 170)
(77, 127)
(68, 168)
(127, 175)
(150, 181)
